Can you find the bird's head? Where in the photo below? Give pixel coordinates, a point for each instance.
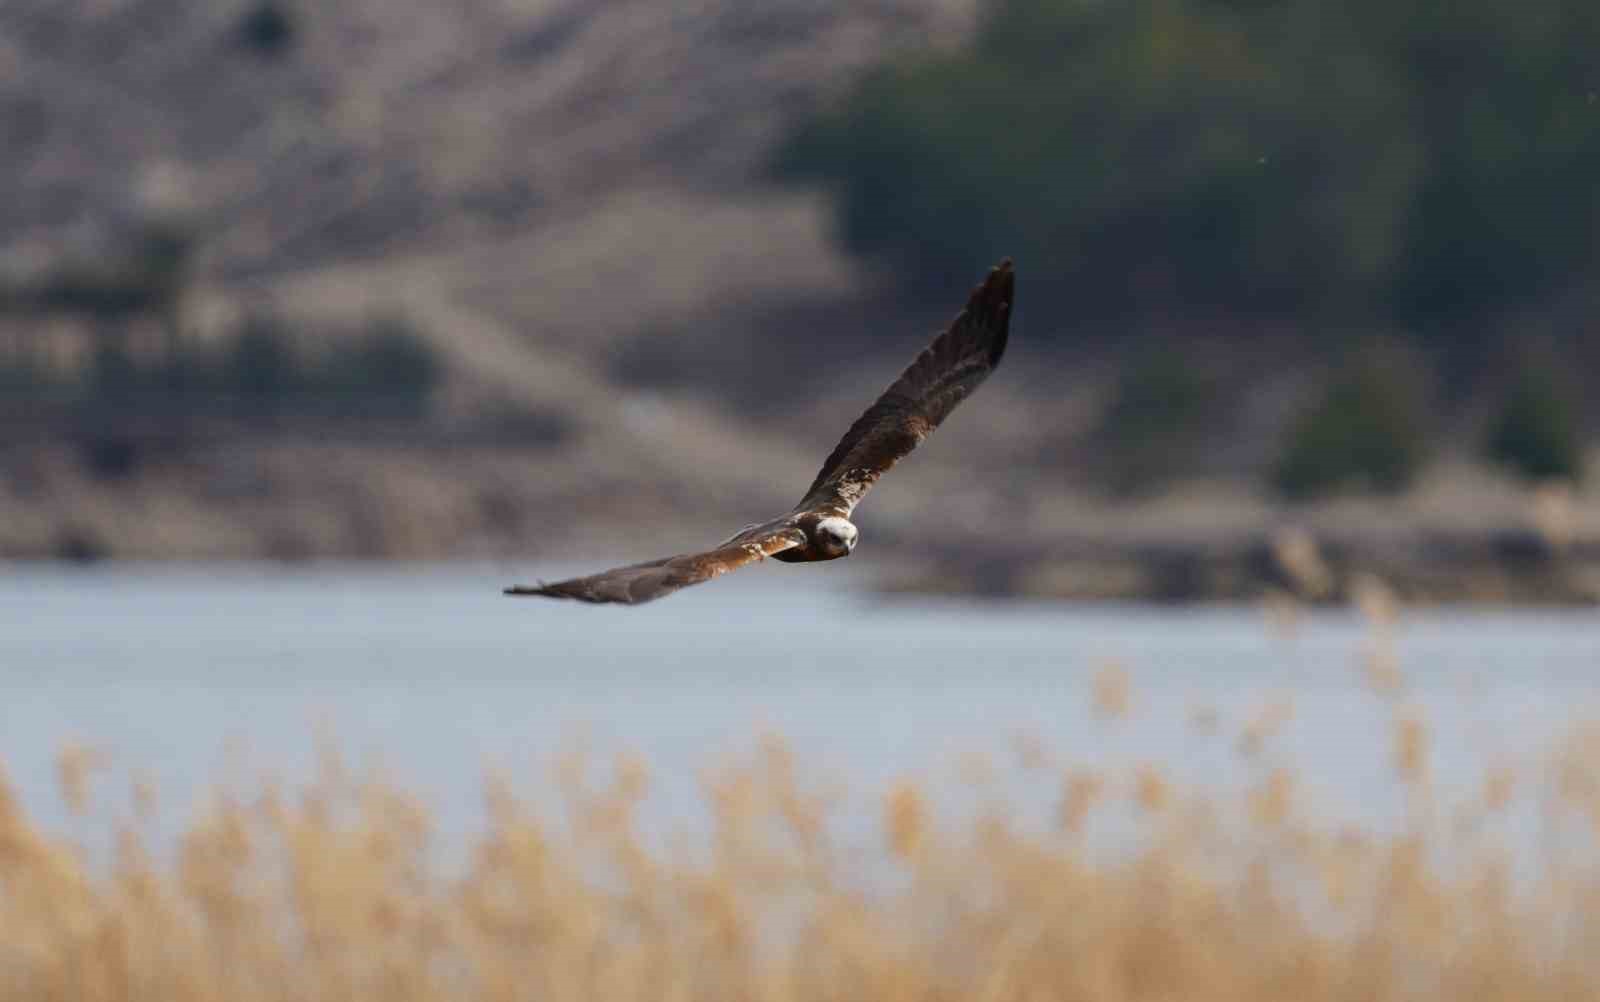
(836, 536)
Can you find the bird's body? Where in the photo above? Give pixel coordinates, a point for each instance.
(819, 527)
(823, 542)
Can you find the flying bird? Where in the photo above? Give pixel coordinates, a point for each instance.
(819, 527)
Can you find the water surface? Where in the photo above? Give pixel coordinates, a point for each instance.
(186, 672)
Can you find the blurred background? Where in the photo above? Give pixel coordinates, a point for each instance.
(549, 281)
(1271, 548)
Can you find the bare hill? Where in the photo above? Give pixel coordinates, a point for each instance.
(545, 190)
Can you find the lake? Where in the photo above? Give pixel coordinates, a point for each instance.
(202, 674)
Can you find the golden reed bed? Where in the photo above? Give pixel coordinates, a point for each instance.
(334, 891)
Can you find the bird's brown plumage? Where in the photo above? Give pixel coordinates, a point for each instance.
(945, 374)
(643, 582)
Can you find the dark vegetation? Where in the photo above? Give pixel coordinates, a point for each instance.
(1368, 429)
(147, 277)
(1399, 161)
(1298, 168)
(384, 370)
(267, 29)
(264, 370)
(1534, 432)
(1163, 399)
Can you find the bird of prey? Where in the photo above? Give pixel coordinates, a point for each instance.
(819, 527)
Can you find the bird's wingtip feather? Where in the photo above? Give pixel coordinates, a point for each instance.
(997, 288)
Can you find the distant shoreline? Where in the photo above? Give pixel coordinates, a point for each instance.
(1508, 568)
(1505, 567)
(1461, 537)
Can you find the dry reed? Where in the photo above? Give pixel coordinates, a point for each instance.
(334, 892)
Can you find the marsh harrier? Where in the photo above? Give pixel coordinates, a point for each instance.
(819, 527)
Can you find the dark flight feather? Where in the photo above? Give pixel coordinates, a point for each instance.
(945, 374)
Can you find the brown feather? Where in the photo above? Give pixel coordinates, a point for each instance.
(640, 583)
(945, 374)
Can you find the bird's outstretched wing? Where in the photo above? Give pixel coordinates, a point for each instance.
(946, 372)
(643, 582)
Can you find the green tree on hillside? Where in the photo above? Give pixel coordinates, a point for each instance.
(1537, 431)
(1367, 429)
(1377, 161)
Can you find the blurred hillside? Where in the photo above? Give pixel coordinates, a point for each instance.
(542, 193)
(574, 280)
